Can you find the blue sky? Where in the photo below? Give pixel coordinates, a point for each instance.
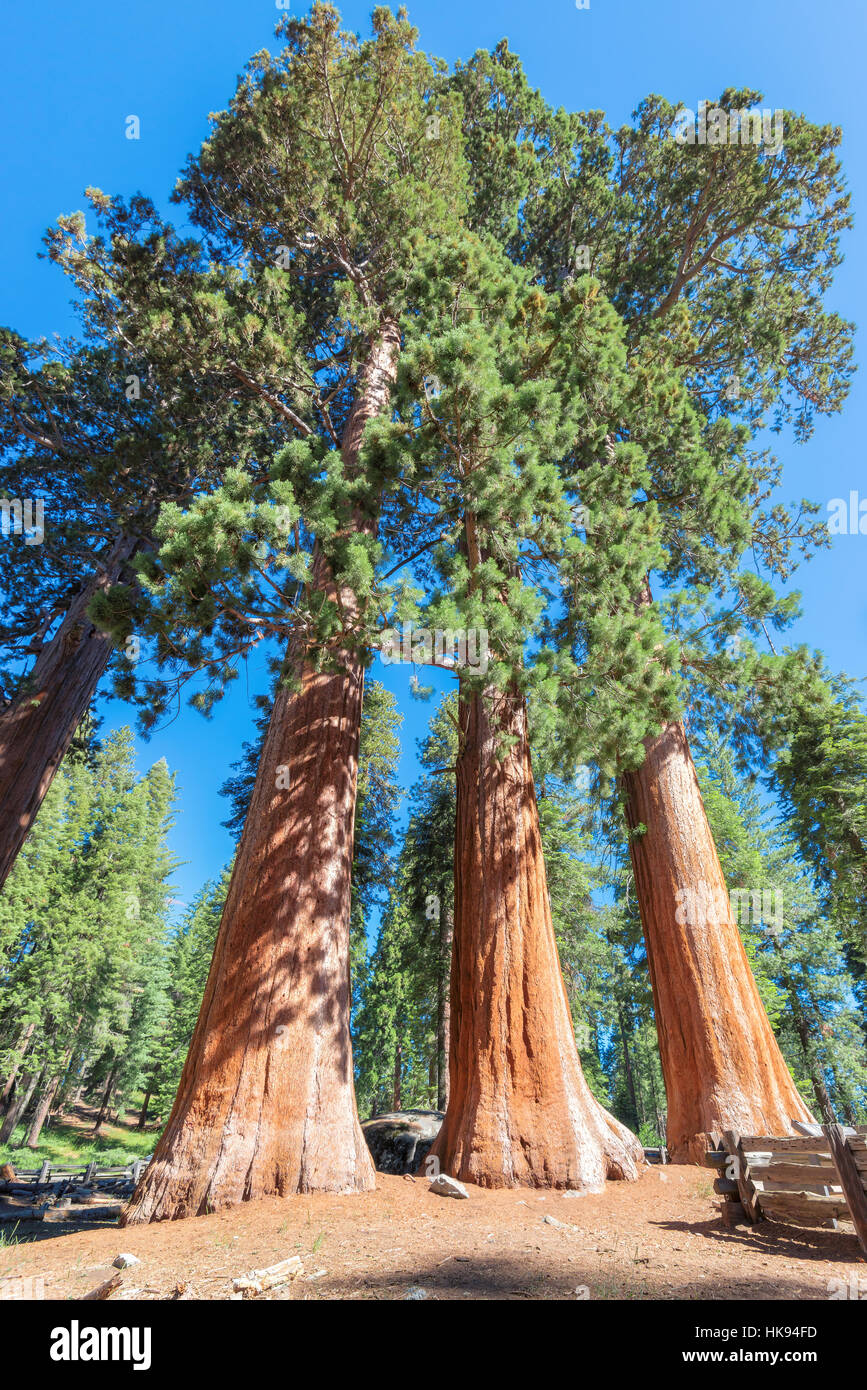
(71, 75)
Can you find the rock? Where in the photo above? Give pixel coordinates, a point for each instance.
(398, 1142)
(448, 1187)
(124, 1261)
(552, 1221)
(416, 1292)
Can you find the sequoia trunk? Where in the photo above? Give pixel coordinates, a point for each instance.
(37, 727)
(722, 1066)
(520, 1110)
(266, 1103)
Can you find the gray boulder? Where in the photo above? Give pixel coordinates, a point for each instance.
(400, 1141)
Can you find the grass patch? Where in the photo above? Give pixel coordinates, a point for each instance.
(67, 1145)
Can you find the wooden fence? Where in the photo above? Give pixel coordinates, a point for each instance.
(67, 1194)
(811, 1181)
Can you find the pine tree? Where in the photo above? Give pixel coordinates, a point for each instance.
(84, 915)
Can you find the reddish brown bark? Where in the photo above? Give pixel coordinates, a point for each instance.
(722, 1066)
(266, 1103)
(37, 727)
(520, 1110)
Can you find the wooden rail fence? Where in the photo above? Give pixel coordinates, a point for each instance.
(57, 1193)
(811, 1181)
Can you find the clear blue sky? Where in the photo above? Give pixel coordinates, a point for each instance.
(70, 75)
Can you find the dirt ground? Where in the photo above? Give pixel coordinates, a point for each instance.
(660, 1238)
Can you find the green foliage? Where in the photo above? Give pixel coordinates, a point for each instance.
(82, 924)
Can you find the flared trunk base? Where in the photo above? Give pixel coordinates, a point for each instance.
(520, 1112)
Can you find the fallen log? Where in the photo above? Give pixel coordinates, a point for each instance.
(83, 1213)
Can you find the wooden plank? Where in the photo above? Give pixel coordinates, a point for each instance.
(795, 1174)
(715, 1159)
(725, 1187)
(807, 1208)
(746, 1190)
(765, 1143)
(733, 1213)
(850, 1180)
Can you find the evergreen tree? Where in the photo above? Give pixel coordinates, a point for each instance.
(84, 917)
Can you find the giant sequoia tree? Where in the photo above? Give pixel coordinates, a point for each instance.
(723, 254)
(322, 167)
(519, 378)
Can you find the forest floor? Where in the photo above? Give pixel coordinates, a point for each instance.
(659, 1238)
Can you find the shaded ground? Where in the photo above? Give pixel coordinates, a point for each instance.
(660, 1238)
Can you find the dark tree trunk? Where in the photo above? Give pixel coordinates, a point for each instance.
(38, 726)
(42, 1109)
(145, 1105)
(722, 1066)
(18, 1108)
(627, 1067)
(520, 1110)
(20, 1052)
(811, 1061)
(266, 1102)
(106, 1097)
(447, 931)
(398, 1068)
